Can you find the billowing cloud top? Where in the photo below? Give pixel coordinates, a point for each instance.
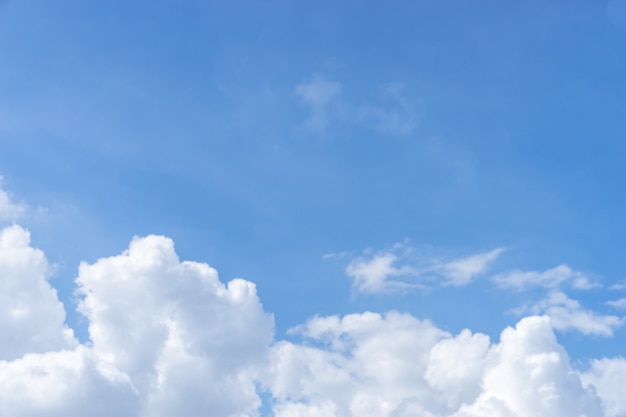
(167, 337)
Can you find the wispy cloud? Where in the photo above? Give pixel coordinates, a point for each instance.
(461, 271)
(399, 269)
(395, 116)
(379, 274)
(568, 314)
(621, 303)
(317, 94)
(550, 278)
(393, 113)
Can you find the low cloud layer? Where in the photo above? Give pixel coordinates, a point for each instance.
(396, 365)
(167, 338)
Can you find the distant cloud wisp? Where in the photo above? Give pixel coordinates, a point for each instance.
(568, 314)
(394, 114)
(317, 94)
(9, 211)
(551, 278)
(390, 271)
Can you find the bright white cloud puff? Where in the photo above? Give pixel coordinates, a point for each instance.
(551, 278)
(396, 365)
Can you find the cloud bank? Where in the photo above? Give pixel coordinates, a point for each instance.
(168, 338)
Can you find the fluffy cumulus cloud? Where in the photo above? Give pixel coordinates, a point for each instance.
(64, 383)
(607, 377)
(31, 316)
(168, 338)
(187, 342)
(396, 365)
(317, 94)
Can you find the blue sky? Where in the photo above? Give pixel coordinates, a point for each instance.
(289, 143)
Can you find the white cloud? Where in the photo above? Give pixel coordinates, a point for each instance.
(64, 383)
(187, 341)
(317, 94)
(397, 366)
(31, 316)
(461, 271)
(9, 211)
(621, 285)
(567, 314)
(168, 338)
(374, 275)
(551, 278)
(528, 374)
(608, 379)
(456, 366)
(394, 114)
(389, 271)
(368, 365)
(621, 303)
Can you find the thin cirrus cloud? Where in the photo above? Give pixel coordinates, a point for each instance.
(392, 114)
(168, 337)
(387, 271)
(550, 278)
(620, 304)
